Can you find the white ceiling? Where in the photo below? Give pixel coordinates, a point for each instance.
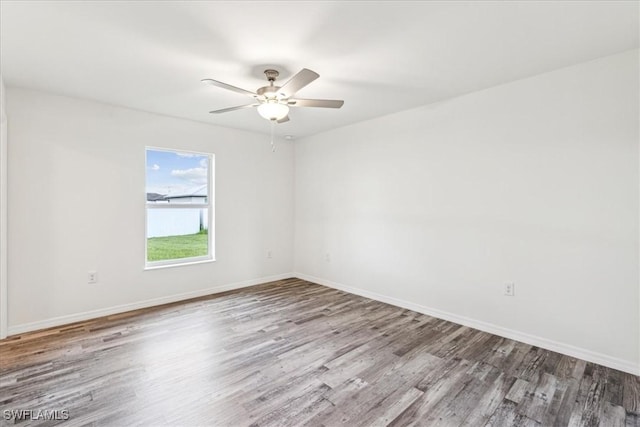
(380, 57)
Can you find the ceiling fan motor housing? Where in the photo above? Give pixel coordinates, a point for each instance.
(268, 91)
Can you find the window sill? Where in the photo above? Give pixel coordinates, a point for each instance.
(181, 264)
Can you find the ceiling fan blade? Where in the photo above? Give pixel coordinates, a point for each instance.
(297, 82)
(323, 103)
(229, 87)
(283, 120)
(239, 107)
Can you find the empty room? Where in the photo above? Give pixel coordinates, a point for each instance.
(320, 213)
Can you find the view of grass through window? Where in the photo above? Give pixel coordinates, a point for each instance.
(173, 247)
(178, 203)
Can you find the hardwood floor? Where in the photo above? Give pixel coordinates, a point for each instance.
(292, 353)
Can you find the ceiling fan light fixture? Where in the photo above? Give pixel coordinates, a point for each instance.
(273, 110)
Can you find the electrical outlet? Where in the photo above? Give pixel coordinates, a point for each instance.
(92, 276)
(269, 253)
(327, 257)
(509, 289)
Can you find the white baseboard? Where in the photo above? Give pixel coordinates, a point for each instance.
(566, 349)
(87, 315)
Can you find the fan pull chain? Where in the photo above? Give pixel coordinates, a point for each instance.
(273, 144)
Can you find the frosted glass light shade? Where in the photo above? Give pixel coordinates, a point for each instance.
(273, 110)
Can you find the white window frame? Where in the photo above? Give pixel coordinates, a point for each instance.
(176, 262)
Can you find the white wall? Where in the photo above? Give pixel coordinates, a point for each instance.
(76, 203)
(3, 214)
(535, 182)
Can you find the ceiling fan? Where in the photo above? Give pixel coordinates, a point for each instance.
(273, 101)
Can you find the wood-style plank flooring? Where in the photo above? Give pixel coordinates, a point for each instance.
(292, 353)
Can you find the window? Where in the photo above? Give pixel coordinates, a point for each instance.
(179, 225)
